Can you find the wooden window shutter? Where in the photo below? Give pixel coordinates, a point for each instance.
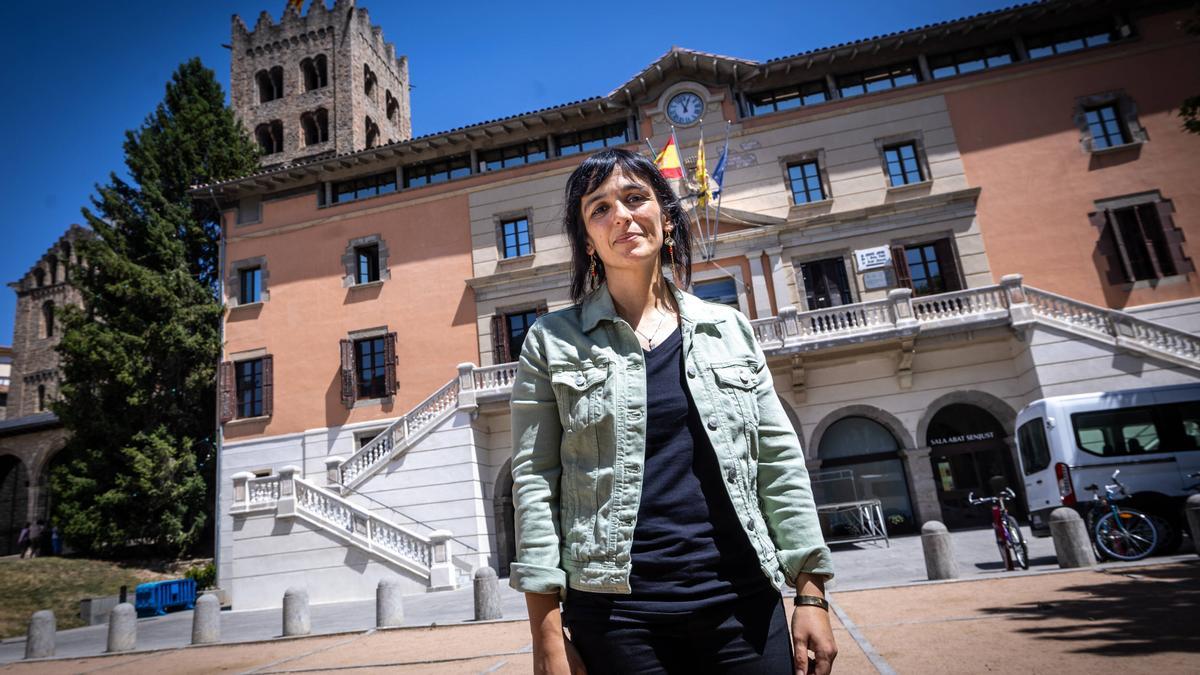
(268, 384)
(389, 360)
(1108, 250)
(227, 396)
(900, 264)
(349, 385)
(948, 264)
(499, 339)
(1174, 238)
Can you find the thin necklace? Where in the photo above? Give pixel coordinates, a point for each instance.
(650, 338)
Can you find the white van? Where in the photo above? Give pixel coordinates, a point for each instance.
(1152, 435)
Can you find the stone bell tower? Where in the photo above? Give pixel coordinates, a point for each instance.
(320, 83)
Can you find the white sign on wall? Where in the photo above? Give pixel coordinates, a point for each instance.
(870, 258)
(875, 279)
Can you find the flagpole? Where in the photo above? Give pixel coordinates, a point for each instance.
(720, 194)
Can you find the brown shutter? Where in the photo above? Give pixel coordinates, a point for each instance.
(268, 384)
(348, 375)
(1108, 250)
(948, 264)
(226, 396)
(1174, 238)
(900, 264)
(389, 359)
(499, 340)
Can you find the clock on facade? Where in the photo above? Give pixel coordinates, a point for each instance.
(685, 108)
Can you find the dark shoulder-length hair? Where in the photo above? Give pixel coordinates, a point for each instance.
(585, 179)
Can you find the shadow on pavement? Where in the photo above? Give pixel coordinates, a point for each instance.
(1135, 611)
(1033, 562)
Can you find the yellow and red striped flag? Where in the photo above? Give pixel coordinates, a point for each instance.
(298, 4)
(668, 160)
(703, 191)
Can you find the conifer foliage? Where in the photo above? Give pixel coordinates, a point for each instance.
(138, 361)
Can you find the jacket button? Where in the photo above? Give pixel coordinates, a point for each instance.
(635, 414)
(712, 423)
(750, 524)
(731, 474)
(579, 380)
(691, 372)
(745, 378)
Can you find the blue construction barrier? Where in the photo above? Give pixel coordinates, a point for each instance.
(158, 597)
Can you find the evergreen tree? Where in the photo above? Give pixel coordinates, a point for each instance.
(139, 360)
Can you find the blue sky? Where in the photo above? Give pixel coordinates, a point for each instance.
(85, 72)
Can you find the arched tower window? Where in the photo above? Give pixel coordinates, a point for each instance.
(270, 84)
(372, 131)
(39, 277)
(392, 104)
(48, 319)
(369, 81)
(314, 72)
(270, 136)
(66, 258)
(41, 403)
(316, 126)
(52, 263)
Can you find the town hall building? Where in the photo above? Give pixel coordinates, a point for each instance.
(928, 230)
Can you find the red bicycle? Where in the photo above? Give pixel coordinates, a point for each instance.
(1009, 539)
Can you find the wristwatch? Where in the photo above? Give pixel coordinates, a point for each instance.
(812, 601)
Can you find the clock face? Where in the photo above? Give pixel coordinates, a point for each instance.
(685, 108)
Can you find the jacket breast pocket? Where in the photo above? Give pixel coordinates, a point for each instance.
(579, 393)
(736, 385)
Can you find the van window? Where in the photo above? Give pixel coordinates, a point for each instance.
(1031, 441)
(1110, 433)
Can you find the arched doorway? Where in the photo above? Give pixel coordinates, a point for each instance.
(504, 516)
(14, 502)
(969, 454)
(860, 459)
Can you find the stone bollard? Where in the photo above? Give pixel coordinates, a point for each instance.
(389, 605)
(39, 642)
(295, 612)
(1072, 546)
(1192, 509)
(122, 628)
(487, 595)
(206, 620)
(939, 552)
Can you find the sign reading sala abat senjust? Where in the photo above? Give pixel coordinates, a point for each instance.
(963, 438)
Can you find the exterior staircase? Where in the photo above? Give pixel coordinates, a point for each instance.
(900, 317)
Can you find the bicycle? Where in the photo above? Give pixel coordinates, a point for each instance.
(1009, 539)
(1119, 533)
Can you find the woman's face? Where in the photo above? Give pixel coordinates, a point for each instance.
(625, 223)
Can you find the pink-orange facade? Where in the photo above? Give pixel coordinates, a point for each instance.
(1019, 141)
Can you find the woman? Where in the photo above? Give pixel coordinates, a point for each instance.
(660, 491)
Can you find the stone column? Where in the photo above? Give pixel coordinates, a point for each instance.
(1018, 302)
(782, 273)
(441, 569)
(902, 311)
(922, 485)
(286, 505)
(333, 471)
(758, 285)
(466, 387)
(240, 495)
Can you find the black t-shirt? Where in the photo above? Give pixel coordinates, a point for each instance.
(689, 549)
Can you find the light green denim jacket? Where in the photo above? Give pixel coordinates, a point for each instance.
(579, 445)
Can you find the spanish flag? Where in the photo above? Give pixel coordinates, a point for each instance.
(668, 160)
(298, 5)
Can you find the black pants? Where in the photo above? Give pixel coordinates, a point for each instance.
(747, 635)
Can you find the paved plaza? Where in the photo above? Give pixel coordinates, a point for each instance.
(887, 618)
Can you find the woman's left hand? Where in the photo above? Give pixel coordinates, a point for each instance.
(811, 632)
